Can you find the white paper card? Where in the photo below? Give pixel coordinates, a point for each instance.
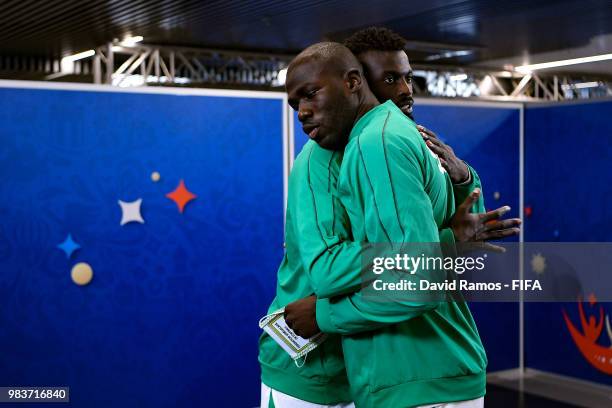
(293, 344)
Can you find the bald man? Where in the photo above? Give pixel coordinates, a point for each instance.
(397, 353)
(317, 231)
(319, 258)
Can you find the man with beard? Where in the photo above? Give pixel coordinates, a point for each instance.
(389, 75)
(397, 354)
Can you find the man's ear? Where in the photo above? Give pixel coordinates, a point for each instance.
(354, 80)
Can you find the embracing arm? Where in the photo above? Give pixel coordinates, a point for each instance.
(333, 262)
(390, 171)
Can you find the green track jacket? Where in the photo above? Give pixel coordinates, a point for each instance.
(395, 191)
(320, 258)
(317, 242)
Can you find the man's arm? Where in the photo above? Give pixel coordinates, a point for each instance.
(301, 314)
(332, 262)
(467, 190)
(463, 190)
(389, 170)
(466, 226)
(465, 179)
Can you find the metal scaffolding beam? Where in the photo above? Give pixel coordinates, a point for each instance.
(506, 85)
(118, 64)
(181, 66)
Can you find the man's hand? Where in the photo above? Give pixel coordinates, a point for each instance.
(301, 317)
(456, 168)
(468, 227)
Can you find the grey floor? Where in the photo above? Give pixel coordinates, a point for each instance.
(500, 397)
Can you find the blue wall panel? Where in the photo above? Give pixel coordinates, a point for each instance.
(569, 152)
(568, 185)
(170, 318)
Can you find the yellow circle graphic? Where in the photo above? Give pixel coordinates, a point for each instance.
(81, 273)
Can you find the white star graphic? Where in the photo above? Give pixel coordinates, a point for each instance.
(538, 263)
(130, 212)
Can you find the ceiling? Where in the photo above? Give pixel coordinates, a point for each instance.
(495, 32)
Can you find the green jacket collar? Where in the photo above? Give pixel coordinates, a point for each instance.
(365, 119)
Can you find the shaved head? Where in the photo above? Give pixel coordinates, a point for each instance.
(333, 56)
(325, 86)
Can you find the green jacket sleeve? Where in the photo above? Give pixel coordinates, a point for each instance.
(333, 262)
(390, 175)
(462, 191)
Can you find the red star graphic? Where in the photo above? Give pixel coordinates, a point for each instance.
(181, 196)
(592, 299)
